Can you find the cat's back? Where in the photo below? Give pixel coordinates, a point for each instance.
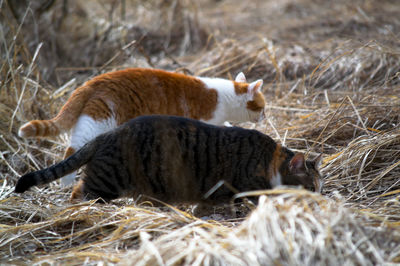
(142, 91)
(166, 127)
(142, 79)
(156, 137)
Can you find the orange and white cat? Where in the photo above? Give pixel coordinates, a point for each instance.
(110, 99)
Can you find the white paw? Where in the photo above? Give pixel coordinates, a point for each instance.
(227, 124)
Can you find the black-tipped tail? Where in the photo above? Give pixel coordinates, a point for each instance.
(47, 175)
(25, 182)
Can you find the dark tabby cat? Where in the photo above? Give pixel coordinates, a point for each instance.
(177, 159)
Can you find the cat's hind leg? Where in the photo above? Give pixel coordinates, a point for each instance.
(84, 131)
(68, 179)
(77, 192)
(68, 152)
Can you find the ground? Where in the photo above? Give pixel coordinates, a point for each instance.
(332, 85)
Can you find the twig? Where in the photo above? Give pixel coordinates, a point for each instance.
(24, 86)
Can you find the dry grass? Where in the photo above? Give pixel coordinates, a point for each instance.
(332, 86)
(289, 227)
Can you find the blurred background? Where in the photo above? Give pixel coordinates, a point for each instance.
(331, 72)
(206, 37)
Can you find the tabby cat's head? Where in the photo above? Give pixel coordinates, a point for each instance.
(255, 101)
(304, 172)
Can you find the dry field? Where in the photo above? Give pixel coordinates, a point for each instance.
(331, 72)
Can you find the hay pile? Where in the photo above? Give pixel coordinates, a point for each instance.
(288, 227)
(332, 83)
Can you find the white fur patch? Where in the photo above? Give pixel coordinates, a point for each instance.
(22, 133)
(276, 180)
(230, 106)
(227, 124)
(68, 180)
(85, 130)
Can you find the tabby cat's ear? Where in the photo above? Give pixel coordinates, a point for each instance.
(240, 77)
(317, 161)
(255, 86)
(296, 164)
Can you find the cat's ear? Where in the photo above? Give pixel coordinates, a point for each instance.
(255, 87)
(317, 161)
(296, 164)
(240, 77)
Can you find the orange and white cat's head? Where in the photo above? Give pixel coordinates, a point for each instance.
(254, 98)
(237, 101)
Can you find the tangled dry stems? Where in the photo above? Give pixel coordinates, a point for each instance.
(335, 96)
(290, 227)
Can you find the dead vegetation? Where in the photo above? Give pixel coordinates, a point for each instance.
(332, 83)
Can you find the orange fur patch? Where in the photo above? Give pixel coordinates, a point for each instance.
(72, 109)
(77, 192)
(277, 159)
(41, 128)
(258, 102)
(64, 120)
(29, 130)
(68, 152)
(240, 87)
(137, 91)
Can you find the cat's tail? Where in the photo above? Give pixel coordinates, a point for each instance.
(56, 171)
(65, 119)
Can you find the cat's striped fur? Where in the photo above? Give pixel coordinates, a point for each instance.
(111, 99)
(176, 159)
